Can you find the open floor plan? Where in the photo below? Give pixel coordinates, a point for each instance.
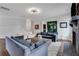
(39, 29)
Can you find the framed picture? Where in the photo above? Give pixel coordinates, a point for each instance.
(36, 26)
(63, 24)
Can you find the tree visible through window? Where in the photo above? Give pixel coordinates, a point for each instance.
(52, 26)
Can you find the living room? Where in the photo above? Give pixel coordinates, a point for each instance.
(34, 21)
(19, 22)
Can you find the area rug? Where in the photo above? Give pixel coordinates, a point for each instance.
(54, 48)
(69, 49)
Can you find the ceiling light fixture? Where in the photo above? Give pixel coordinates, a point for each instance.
(34, 11)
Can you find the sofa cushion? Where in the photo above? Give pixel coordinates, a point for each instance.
(32, 46)
(43, 33)
(26, 43)
(39, 43)
(18, 37)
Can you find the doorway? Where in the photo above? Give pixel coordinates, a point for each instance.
(74, 38)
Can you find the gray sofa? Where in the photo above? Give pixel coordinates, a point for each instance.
(20, 47)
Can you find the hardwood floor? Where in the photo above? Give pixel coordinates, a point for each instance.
(60, 52)
(3, 51)
(67, 49)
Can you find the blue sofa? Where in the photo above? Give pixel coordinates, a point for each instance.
(20, 47)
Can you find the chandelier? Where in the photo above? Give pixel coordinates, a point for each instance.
(34, 11)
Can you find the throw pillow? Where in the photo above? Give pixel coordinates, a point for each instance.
(32, 46)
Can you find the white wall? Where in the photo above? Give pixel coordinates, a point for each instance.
(63, 33)
(11, 25)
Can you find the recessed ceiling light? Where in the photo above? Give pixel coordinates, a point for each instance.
(34, 11)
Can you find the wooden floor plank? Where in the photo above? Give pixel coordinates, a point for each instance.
(3, 51)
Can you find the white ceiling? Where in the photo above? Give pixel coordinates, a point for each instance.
(47, 9)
